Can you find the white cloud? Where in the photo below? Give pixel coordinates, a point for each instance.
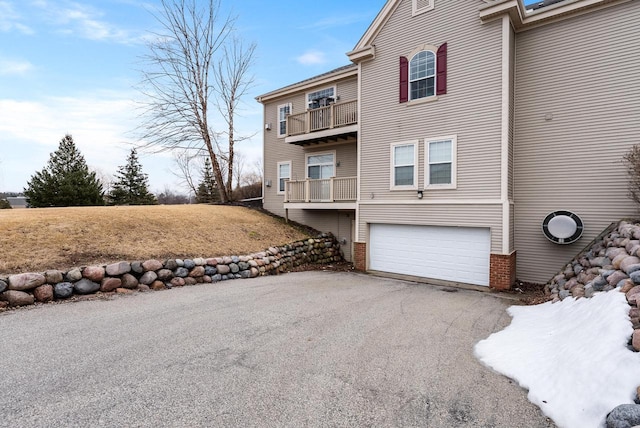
(14, 67)
(337, 21)
(312, 58)
(86, 22)
(10, 19)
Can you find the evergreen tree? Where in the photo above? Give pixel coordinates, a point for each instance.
(207, 192)
(66, 180)
(131, 185)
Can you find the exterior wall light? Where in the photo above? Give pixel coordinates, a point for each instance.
(420, 194)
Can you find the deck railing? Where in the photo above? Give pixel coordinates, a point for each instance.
(319, 119)
(324, 190)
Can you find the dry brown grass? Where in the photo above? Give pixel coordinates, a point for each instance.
(34, 240)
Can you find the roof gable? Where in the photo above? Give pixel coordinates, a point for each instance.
(365, 49)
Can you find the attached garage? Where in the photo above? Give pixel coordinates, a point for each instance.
(457, 254)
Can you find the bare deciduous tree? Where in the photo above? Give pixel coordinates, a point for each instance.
(193, 58)
(188, 167)
(232, 75)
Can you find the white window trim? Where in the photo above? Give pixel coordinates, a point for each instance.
(281, 106)
(335, 94)
(392, 176)
(417, 11)
(454, 163)
(278, 191)
(434, 51)
(306, 161)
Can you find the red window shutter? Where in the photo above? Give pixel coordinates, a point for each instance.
(404, 79)
(441, 65)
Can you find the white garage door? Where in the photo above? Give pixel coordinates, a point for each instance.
(459, 254)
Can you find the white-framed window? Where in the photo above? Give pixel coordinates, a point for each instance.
(441, 159)
(321, 165)
(284, 174)
(422, 75)
(404, 165)
(321, 98)
(284, 110)
(421, 6)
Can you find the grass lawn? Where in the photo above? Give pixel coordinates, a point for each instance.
(34, 240)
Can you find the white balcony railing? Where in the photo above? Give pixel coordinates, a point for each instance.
(319, 119)
(325, 190)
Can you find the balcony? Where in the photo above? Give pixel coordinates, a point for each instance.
(321, 194)
(331, 123)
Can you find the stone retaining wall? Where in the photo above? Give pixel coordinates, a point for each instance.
(610, 263)
(126, 277)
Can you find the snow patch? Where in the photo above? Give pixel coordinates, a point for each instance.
(572, 356)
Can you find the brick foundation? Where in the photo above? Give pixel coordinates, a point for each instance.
(502, 271)
(360, 256)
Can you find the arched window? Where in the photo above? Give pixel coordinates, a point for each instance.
(422, 75)
(425, 75)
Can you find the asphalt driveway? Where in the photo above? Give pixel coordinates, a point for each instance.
(303, 349)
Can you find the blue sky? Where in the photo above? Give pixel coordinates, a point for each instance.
(70, 66)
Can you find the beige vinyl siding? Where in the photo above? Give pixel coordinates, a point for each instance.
(435, 215)
(583, 71)
(347, 90)
(471, 109)
(277, 150)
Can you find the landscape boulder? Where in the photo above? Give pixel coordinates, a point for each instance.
(110, 284)
(157, 286)
(17, 298)
(53, 276)
(177, 282)
(624, 416)
(152, 265)
(26, 281)
(62, 290)
(181, 272)
(170, 264)
(86, 286)
(635, 340)
(129, 281)
(3, 286)
(44, 293)
(164, 275)
(148, 277)
(93, 273)
(136, 267)
(632, 295)
(117, 269)
(73, 275)
(197, 272)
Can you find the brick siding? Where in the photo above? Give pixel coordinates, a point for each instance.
(502, 271)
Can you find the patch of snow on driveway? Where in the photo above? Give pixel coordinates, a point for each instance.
(572, 356)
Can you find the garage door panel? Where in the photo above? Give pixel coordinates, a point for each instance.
(446, 253)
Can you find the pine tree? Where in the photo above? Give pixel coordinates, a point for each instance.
(131, 184)
(207, 192)
(66, 180)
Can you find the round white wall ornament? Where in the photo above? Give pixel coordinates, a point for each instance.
(562, 227)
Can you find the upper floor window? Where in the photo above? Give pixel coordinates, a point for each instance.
(284, 174)
(441, 162)
(422, 75)
(404, 171)
(320, 166)
(425, 74)
(421, 6)
(321, 98)
(284, 110)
